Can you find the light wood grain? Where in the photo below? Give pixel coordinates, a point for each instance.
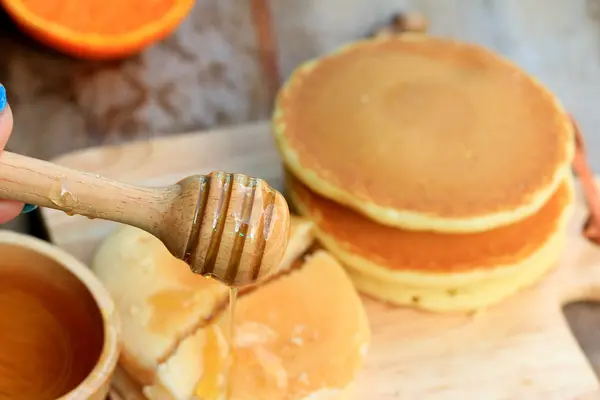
(162, 162)
(590, 396)
(217, 222)
(38, 182)
(520, 349)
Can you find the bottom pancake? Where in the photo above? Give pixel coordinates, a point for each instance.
(503, 260)
(469, 297)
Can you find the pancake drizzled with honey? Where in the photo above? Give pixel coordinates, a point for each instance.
(438, 271)
(424, 133)
(300, 335)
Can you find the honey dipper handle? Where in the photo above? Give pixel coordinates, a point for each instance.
(45, 184)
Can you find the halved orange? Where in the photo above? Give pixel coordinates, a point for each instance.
(98, 29)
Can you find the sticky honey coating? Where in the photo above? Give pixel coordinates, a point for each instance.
(147, 283)
(286, 345)
(240, 230)
(281, 352)
(424, 133)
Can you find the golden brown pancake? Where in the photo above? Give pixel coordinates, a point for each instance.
(441, 272)
(424, 133)
(432, 252)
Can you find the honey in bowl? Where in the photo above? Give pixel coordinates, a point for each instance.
(51, 329)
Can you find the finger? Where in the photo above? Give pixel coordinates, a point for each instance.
(6, 118)
(9, 210)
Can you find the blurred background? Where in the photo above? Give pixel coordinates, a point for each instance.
(208, 72)
(214, 70)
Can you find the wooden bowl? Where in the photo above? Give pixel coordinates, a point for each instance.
(58, 331)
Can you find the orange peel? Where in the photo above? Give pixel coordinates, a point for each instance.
(83, 30)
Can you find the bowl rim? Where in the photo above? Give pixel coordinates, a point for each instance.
(107, 362)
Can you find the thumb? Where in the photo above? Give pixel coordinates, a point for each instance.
(9, 210)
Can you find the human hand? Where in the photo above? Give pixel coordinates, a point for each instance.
(8, 209)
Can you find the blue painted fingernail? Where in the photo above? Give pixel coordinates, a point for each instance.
(3, 101)
(28, 208)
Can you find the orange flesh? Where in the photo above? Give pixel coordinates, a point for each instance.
(400, 249)
(102, 17)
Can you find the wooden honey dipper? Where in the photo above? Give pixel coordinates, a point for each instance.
(231, 227)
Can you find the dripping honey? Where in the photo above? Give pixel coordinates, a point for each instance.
(233, 294)
(216, 379)
(217, 372)
(208, 388)
(62, 196)
(50, 338)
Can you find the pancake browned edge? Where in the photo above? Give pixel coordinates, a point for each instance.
(434, 271)
(300, 335)
(424, 133)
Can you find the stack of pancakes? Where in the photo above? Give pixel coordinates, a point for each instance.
(436, 171)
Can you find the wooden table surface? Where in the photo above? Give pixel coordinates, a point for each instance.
(207, 74)
(509, 343)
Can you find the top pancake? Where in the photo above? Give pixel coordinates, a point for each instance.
(424, 133)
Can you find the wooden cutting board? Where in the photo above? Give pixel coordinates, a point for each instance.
(521, 349)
